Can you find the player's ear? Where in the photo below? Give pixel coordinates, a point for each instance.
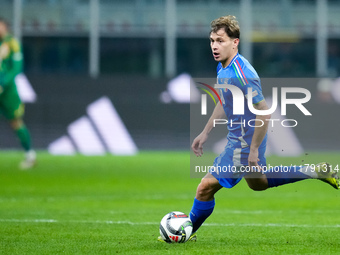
(236, 41)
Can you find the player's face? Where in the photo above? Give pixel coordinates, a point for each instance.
(223, 47)
(3, 29)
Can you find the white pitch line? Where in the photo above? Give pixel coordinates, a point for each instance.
(157, 223)
(270, 225)
(28, 220)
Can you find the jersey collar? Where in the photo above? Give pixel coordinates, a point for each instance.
(232, 61)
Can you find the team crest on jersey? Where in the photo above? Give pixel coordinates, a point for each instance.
(223, 80)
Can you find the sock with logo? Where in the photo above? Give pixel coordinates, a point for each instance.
(200, 211)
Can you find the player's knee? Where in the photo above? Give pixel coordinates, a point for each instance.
(257, 182)
(258, 185)
(205, 191)
(16, 123)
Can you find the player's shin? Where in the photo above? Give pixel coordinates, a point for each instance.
(200, 211)
(24, 137)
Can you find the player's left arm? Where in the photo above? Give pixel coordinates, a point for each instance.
(16, 63)
(259, 134)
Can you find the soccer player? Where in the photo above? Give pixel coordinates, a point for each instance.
(10, 104)
(246, 144)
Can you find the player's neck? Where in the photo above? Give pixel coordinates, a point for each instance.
(228, 60)
(2, 37)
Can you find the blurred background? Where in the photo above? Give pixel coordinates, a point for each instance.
(77, 52)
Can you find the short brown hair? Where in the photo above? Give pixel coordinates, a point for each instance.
(2, 20)
(230, 25)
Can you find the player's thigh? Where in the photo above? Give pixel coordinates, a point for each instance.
(208, 186)
(11, 105)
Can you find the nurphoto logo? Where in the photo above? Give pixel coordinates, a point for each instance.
(238, 104)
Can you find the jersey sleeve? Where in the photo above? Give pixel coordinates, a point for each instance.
(255, 85)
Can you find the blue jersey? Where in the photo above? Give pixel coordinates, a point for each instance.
(240, 73)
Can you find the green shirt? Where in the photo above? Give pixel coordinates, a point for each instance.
(11, 60)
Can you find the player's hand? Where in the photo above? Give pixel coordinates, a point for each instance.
(1, 82)
(253, 158)
(197, 144)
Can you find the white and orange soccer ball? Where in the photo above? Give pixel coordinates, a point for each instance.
(175, 227)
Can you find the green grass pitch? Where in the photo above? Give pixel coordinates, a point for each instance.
(113, 205)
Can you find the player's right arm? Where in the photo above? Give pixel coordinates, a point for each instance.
(197, 144)
(15, 60)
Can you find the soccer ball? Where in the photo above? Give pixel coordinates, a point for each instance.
(175, 227)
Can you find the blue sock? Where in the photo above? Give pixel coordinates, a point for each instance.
(281, 175)
(200, 211)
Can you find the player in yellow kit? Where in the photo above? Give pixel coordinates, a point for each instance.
(11, 60)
